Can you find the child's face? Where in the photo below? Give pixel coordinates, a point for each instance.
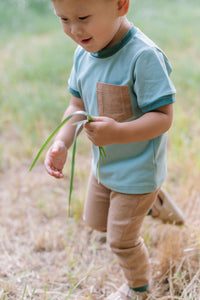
(93, 24)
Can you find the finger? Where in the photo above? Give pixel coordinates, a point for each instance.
(88, 129)
(86, 125)
(53, 172)
(57, 174)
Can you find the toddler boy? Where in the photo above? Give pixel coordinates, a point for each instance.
(121, 78)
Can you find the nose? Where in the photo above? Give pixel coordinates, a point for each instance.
(76, 29)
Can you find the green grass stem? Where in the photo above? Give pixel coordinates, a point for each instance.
(79, 124)
(54, 133)
(25, 289)
(72, 289)
(73, 165)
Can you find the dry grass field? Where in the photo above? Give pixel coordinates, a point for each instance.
(44, 254)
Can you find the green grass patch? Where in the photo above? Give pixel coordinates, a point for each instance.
(36, 59)
(25, 17)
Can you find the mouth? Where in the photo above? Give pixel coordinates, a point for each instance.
(86, 41)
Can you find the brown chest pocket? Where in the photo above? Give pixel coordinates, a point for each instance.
(114, 101)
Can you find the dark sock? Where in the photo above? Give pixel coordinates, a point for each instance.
(150, 212)
(141, 288)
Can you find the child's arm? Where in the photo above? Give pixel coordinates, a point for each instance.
(106, 131)
(57, 153)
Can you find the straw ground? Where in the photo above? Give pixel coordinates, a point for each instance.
(45, 254)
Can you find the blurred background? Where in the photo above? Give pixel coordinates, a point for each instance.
(43, 254)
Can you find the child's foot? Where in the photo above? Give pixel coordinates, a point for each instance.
(126, 293)
(165, 209)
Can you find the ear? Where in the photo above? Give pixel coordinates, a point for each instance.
(123, 6)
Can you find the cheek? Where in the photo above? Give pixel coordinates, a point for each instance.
(66, 29)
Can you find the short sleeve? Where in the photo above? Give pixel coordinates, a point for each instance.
(152, 84)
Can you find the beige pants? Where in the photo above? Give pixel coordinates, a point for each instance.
(121, 215)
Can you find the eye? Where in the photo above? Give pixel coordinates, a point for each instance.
(83, 18)
(64, 19)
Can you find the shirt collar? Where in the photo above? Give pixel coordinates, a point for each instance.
(115, 48)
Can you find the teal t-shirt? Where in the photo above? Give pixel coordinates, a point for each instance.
(124, 82)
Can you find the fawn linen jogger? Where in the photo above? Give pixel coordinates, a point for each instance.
(121, 215)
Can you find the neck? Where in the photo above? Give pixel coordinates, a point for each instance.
(124, 27)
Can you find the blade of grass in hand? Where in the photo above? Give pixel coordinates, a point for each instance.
(73, 165)
(102, 152)
(55, 131)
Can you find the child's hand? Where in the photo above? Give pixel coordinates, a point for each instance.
(55, 159)
(103, 131)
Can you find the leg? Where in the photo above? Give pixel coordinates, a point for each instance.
(165, 209)
(96, 205)
(125, 218)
